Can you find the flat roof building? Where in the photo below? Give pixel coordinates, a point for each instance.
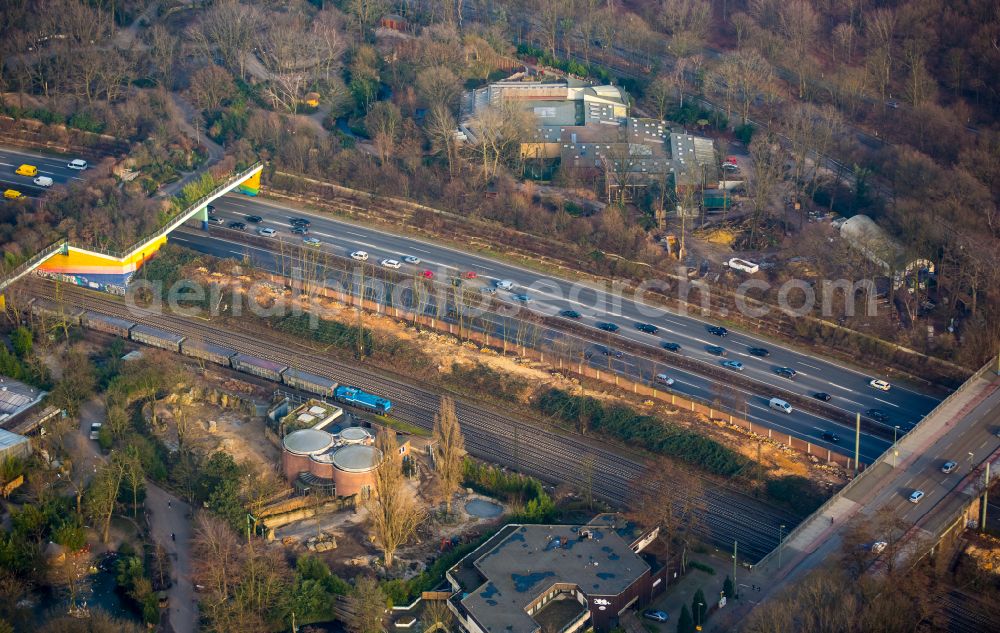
(17, 397)
(556, 577)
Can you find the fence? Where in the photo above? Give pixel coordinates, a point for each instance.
(31, 264)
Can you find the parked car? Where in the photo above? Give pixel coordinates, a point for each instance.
(671, 347)
(256, 219)
(916, 496)
(607, 326)
(238, 226)
(758, 351)
(880, 384)
(78, 164)
(95, 430)
(717, 330)
(822, 395)
(949, 467)
(878, 547)
(658, 616)
(663, 379)
(391, 263)
(733, 364)
(361, 256)
(715, 350)
(830, 437)
(410, 259)
(570, 314)
(786, 372)
(647, 328)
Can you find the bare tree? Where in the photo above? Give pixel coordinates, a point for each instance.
(441, 129)
(686, 21)
(799, 23)
(449, 451)
(384, 123)
(230, 28)
(218, 558)
(499, 130)
(743, 77)
(393, 514)
(102, 495)
(438, 85)
(762, 179)
(367, 605)
(670, 497)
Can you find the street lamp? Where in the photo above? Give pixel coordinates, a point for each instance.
(894, 451)
(697, 617)
(781, 530)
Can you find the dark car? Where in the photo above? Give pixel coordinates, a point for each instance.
(299, 222)
(672, 347)
(300, 230)
(570, 314)
(715, 349)
(759, 351)
(647, 328)
(210, 208)
(878, 415)
(256, 219)
(786, 372)
(611, 352)
(214, 219)
(718, 331)
(607, 327)
(822, 395)
(831, 437)
(239, 226)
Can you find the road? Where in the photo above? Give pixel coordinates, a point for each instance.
(48, 165)
(847, 386)
(171, 527)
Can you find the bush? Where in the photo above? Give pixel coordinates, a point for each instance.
(331, 332)
(798, 493)
(520, 490)
(744, 133)
(703, 567)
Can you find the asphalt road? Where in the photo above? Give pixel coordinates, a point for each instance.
(848, 386)
(52, 166)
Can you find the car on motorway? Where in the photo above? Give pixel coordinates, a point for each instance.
(311, 241)
(779, 405)
(12, 194)
(456, 281)
(879, 384)
(822, 395)
(607, 326)
(878, 547)
(238, 226)
(267, 232)
(470, 274)
(647, 328)
(663, 379)
(427, 274)
(214, 219)
(612, 352)
(27, 170)
(300, 229)
(299, 222)
(758, 351)
(78, 164)
(410, 259)
(830, 437)
(671, 347)
(656, 616)
(878, 415)
(360, 256)
(43, 181)
(570, 314)
(715, 350)
(522, 298)
(391, 263)
(949, 467)
(786, 372)
(717, 330)
(488, 290)
(504, 284)
(916, 496)
(733, 364)
(256, 219)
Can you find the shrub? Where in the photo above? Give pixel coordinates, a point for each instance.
(798, 493)
(708, 569)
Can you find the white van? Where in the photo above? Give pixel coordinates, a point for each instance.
(43, 181)
(744, 265)
(505, 284)
(780, 405)
(95, 430)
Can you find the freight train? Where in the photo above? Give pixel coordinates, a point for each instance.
(202, 350)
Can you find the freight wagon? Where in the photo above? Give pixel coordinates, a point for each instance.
(259, 367)
(359, 398)
(157, 337)
(44, 308)
(208, 351)
(309, 382)
(107, 324)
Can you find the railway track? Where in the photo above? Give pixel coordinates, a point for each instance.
(501, 438)
(967, 614)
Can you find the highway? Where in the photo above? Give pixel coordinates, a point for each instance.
(847, 386)
(48, 165)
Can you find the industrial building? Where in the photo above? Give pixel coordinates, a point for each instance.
(16, 398)
(341, 463)
(530, 578)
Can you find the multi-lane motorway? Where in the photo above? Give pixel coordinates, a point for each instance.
(52, 166)
(848, 387)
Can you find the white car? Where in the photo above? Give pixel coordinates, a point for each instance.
(267, 232)
(78, 164)
(43, 181)
(361, 256)
(505, 284)
(879, 546)
(663, 379)
(410, 259)
(391, 263)
(881, 385)
(916, 496)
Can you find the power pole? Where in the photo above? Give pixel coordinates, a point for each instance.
(736, 586)
(985, 500)
(857, 442)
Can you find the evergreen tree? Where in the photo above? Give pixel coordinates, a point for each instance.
(685, 624)
(728, 588)
(699, 611)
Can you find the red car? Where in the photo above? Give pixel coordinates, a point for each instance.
(470, 274)
(427, 274)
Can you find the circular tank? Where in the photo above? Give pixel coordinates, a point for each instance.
(353, 468)
(307, 442)
(355, 435)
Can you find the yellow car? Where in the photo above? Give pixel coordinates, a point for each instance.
(27, 170)
(12, 194)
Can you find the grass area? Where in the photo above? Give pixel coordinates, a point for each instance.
(403, 427)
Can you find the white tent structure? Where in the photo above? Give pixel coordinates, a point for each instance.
(879, 247)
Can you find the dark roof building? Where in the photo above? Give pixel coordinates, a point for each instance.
(557, 577)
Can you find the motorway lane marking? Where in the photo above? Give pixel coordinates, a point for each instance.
(811, 366)
(891, 404)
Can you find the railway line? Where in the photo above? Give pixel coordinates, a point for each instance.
(502, 438)
(966, 614)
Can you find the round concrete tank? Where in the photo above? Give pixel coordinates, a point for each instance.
(298, 449)
(353, 466)
(355, 435)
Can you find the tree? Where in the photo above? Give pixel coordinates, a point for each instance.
(21, 340)
(367, 607)
(393, 514)
(742, 78)
(762, 179)
(727, 587)
(798, 23)
(699, 606)
(217, 556)
(449, 451)
(77, 384)
(384, 123)
(685, 624)
(102, 494)
(211, 87)
(230, 28)
(441, 128)
(499, 130)
(670, 497)
(658, 94)
(438, 85)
